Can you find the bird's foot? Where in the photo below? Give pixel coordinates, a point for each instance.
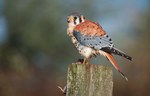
(80, 61)
(83, 61)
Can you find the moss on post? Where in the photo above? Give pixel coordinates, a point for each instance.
(89, 80)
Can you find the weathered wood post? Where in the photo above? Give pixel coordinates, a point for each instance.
(89, 80)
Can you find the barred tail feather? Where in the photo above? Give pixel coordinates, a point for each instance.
(116, 52)
(114, 63)
(120, 53)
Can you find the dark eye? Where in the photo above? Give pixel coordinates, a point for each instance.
(68, 21)
(75, 17)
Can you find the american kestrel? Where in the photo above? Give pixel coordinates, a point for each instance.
(91, 40)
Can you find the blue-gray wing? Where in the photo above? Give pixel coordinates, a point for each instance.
(96, 42)
(103, 43)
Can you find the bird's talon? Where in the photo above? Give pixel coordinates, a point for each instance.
(80, 61)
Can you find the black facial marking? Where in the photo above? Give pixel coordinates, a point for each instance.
(107, 36)
(110, 39)
(80, 20)
(75, 18)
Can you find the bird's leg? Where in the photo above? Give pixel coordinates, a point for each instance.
(88, 61)
(84, 62)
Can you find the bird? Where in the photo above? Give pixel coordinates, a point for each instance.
(91, 40)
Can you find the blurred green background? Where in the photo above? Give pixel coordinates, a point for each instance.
(35, 49)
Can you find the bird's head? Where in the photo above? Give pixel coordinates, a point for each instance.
(75, 19)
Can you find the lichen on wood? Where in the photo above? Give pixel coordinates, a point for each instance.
(89, 80)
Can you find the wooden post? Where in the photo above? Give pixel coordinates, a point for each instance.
(89, 80)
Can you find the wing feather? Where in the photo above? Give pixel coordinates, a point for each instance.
(96, 42)
(103, 43)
